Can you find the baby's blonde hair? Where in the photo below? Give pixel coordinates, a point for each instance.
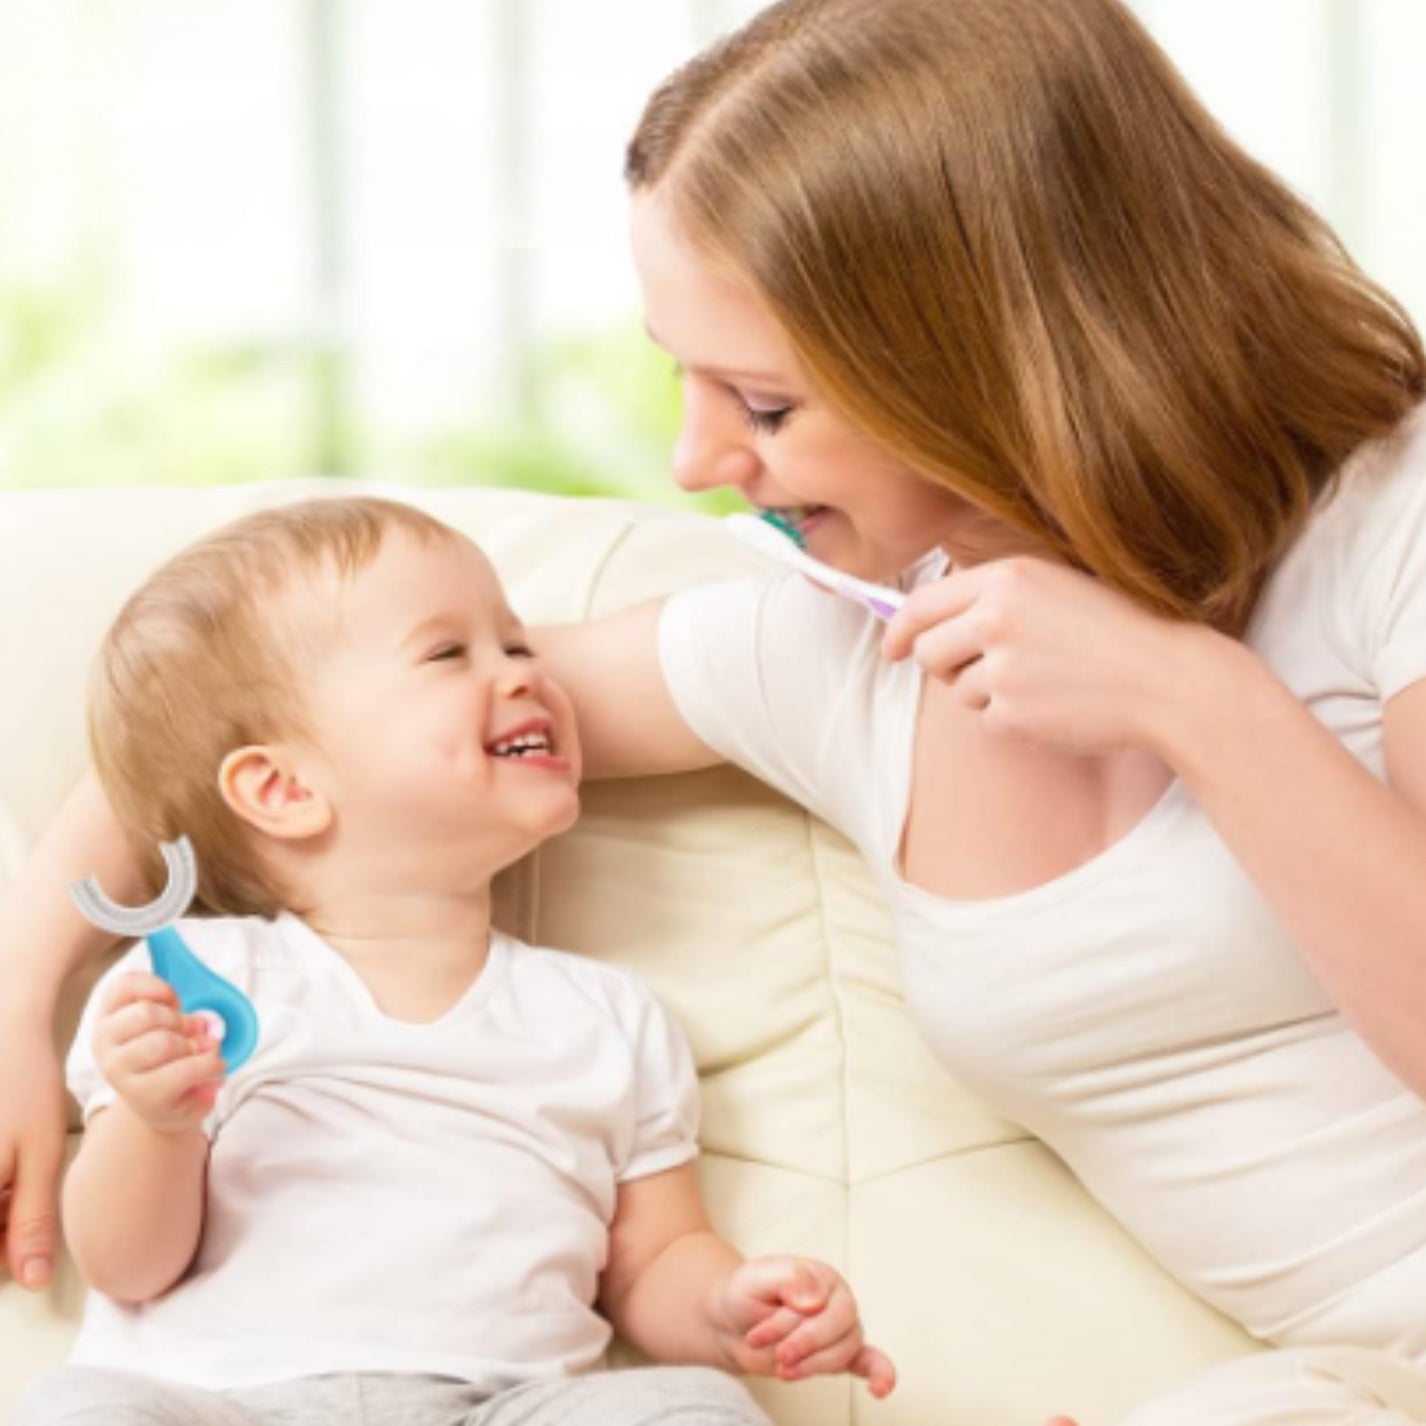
(203, 659)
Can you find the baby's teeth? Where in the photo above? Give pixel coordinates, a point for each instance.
(525, 743)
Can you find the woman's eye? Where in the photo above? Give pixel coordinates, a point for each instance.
(762, 420)
(765, 423)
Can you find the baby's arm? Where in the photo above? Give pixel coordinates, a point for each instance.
(133, 1202)
(42, 940)
(679, 1293)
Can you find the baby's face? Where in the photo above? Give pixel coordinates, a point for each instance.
(435, 726)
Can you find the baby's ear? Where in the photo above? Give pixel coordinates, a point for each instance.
(264, 787)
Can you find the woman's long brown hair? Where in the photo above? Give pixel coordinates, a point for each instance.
(1007, 241)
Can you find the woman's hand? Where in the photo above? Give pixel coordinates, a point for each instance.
(1050, 654)
(31, 1151)
(43, 940)
(796, 1317)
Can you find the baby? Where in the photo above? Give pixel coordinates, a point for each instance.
(453, 1160)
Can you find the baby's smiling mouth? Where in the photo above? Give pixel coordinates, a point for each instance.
(532, 739)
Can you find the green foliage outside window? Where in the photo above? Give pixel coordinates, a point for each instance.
(78, 409)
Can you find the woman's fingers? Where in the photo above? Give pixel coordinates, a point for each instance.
(946, 649)
(930, 605)
(972, 686)
(30, 1227)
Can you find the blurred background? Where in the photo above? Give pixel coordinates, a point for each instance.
(255, 239)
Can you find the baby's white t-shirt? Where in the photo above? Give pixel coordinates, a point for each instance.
(1146, 1014)
(394, 1197)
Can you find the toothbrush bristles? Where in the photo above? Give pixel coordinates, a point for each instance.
(784, 526)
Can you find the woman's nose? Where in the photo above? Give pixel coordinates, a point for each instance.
(712, 449)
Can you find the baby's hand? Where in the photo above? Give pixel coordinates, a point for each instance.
(795, 1318)
(163, 1064)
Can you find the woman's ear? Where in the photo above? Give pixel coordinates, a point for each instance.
(263, 786)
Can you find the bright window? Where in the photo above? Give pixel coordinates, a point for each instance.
(252, 239)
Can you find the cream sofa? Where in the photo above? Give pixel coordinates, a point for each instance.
(1003, 1292)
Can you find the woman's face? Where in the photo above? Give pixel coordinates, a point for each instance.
(752, 421)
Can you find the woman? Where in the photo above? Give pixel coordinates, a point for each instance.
(977, 295)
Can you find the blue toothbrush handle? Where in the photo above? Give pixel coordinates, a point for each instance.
(200, 989)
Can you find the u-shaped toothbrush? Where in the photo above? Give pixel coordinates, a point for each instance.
(199, 990)
(770, 535)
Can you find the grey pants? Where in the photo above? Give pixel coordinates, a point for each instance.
(649, 1396)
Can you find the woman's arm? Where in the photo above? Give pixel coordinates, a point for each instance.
(629, 725)
(43, 940)
(1340, 856)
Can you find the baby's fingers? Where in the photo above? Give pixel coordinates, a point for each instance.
(150, 1051)
(878, 1370)
(847, 1355)
(836, 1356)
(137, 985)
(775, 1328)
(134, 1018)
(198, 1075)
(833, 1324)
